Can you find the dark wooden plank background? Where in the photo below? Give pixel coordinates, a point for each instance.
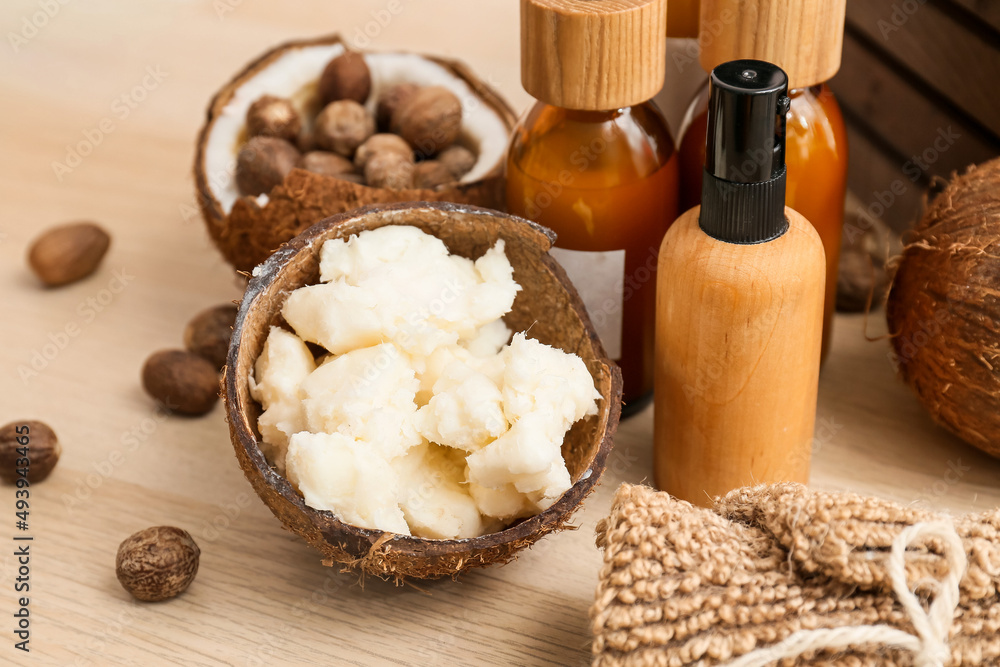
(920, 89)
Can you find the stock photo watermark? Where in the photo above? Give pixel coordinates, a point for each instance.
(913, 169)
(101, 471)
(582, 158)
(898, 17)
(23, 540)
(926, 330)
(229, 512)
(120, 109)
(380, 20)
(34, 23)
(87, 311)
(113, 629)
(954, 471)
(709, 31)
(271, 644)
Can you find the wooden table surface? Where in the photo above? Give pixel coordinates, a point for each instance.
(71, 357)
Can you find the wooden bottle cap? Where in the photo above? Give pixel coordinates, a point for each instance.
(803, 37)
(593, 54)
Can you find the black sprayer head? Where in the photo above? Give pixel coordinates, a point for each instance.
(743, 188)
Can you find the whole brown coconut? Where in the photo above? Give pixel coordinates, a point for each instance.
(547, 307)
(944, 308)
(247, 229)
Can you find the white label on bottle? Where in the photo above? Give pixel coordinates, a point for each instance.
(599, 277)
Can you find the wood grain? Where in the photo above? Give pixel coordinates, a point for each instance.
(803, 38)
(738, 336)
(876, 176)
(910, 121)
(981, 10)
(261, 596)
(937, 47)
(580, 54)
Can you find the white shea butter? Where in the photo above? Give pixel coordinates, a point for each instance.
(505, 502)
(465, 410)
(398, 283)
(348, 477)
(424, 416)
(523, 456)
(433, 495)
(337, 316)
(432, 367)
(367, 394)
(281, 367)
(488, 340)
(540, 378)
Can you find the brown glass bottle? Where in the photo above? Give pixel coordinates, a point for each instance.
(682, 18)
(816, 159)
(607, 183)
(594, 161)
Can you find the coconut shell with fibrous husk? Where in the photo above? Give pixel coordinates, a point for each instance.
(944, 308)
(248, 229)
(862, 276)
(547, 307)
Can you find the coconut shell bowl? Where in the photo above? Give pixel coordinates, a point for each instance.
(547, 307)
(248, 229)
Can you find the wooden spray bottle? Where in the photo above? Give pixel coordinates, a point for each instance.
(739, 321)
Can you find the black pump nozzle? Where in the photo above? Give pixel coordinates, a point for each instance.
(743, 188)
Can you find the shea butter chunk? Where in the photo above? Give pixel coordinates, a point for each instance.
(339, 473)
(362, 255)
(420, 289)
(465, 411)
(540, 378)
(367, 394)
(529, 447)
(505, 502)
(544, 488)
(282, 366)
(277, 424)
(496, 293)
(488, 340)
(337, 316)
(433, 495)
(432, 367)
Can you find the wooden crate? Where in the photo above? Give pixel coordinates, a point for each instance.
(918, 87)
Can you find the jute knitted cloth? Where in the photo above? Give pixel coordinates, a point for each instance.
(683, 585)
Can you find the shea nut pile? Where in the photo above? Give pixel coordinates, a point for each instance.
(407, 142)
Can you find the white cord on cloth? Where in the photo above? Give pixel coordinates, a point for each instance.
(930, 643)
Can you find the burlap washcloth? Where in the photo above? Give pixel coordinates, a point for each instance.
(683, 585)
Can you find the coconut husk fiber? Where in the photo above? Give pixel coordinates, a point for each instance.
(944, 308)
(683, 585)
(547, 307)
(249, 232)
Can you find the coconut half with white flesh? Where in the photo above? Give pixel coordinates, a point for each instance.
(547, 306)
(247, 229)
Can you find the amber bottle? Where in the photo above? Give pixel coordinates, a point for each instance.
(816, 139)
(682, 18)
(594, 161)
